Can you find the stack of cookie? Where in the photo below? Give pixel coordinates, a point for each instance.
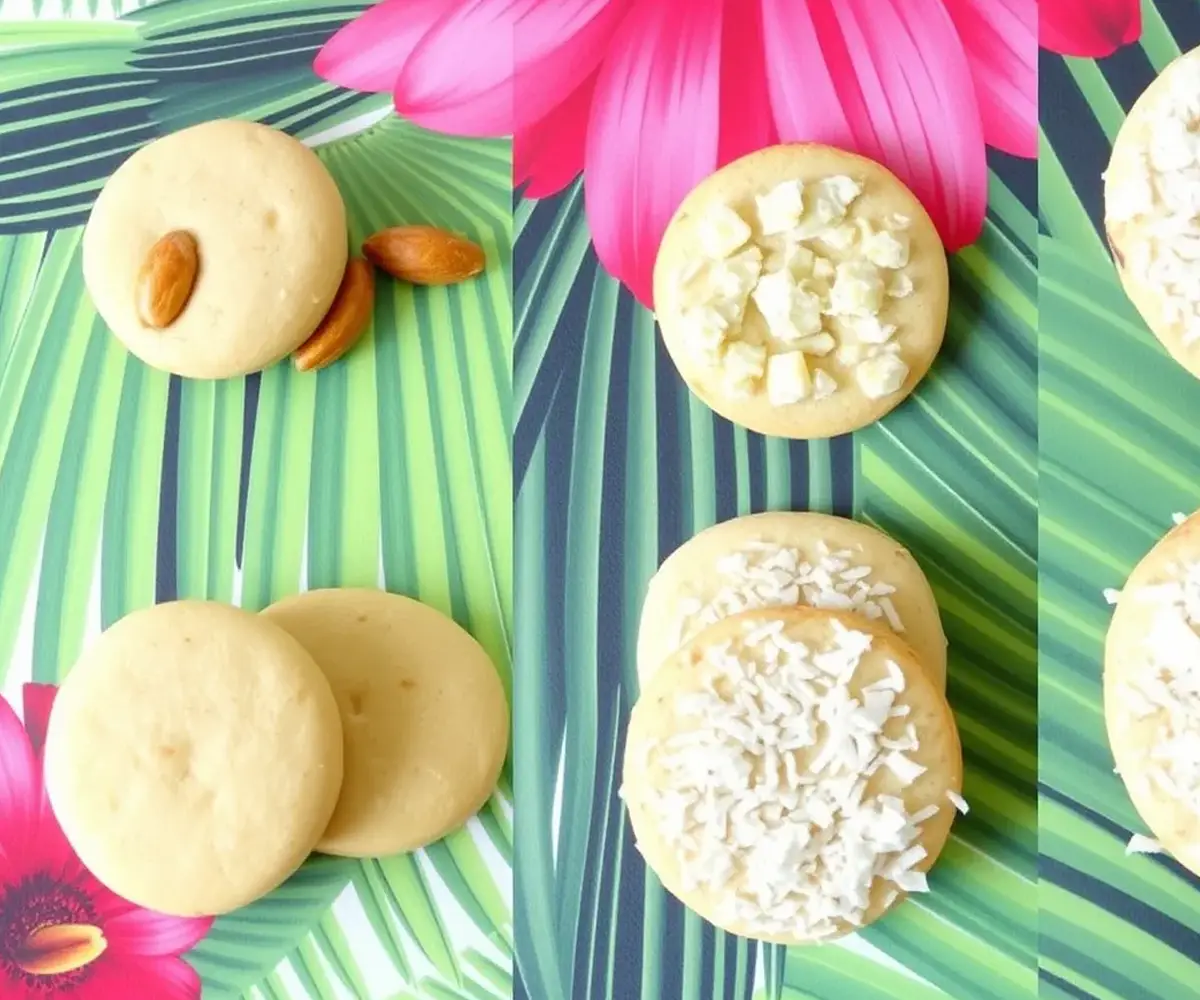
(198, 753)
(792, 767)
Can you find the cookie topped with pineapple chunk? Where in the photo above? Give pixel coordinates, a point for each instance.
(802, 291)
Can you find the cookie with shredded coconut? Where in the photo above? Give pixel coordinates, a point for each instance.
(1152, 690)
(1152, 207)
(787, 773)
(786, 558)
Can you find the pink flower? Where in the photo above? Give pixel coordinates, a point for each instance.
(63, 936)
(1091, 28)
(647, 97)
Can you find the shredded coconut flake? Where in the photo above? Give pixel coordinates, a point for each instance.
(1178, 518)
(1139, 844)
(762, 790)
(764, 574)
(957, 801)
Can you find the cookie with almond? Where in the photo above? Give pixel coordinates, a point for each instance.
(217, 250)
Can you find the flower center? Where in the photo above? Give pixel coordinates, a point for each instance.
(49, 934)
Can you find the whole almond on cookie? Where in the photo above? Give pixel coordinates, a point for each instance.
(424, 255)
(345, 322)
(167, 278)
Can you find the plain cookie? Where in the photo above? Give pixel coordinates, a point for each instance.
(785, 558)
(423, 709)
(789, 773)
(193, 757)
(802, 291)
(1152, 690)
(271, 229)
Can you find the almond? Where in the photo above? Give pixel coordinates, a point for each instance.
(345, 322)
(167, 277)
(60, 948)
(424, 255)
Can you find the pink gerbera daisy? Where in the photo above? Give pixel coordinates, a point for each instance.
(63, 934)
(647, 97)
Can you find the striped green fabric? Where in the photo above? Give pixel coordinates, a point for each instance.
(616, 465)
(120, 486)
(1117, 419)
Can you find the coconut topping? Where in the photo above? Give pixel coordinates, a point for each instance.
(1160, 193)
(1141, 844)
(765, 789)
(764, 575)
(819, 280)
(1168, 686)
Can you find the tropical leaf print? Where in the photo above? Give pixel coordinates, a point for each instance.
(1117, 423)
(616, 465)
(121, 486)
(169, 65)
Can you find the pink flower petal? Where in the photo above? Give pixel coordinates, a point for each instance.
(887, 79)
(746, 121)
(54, 855)
(1089, 28)
(1000, 39)
(368, 53)
(549, 153)
(13, 988)
(654, 131)
(524, 56)
(38, 700)
(116, 978)
(20, 798)
(144, 932)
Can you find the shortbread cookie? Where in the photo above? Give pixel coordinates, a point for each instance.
(802, 291)
(194, 757)
(786, 558)
(423, 709)
(792, 773)
(1152, 690)
(270, 230)
(1152, 208)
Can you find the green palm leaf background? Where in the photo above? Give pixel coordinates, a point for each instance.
(120, 486)
(1118, 425)
(616, 465)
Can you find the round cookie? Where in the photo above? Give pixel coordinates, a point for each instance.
(1152, 690)
(423, 709)
(193, 757)
(789, 773)
(1150, 208)
(271, 230)
(785, 558)
(802, 313)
